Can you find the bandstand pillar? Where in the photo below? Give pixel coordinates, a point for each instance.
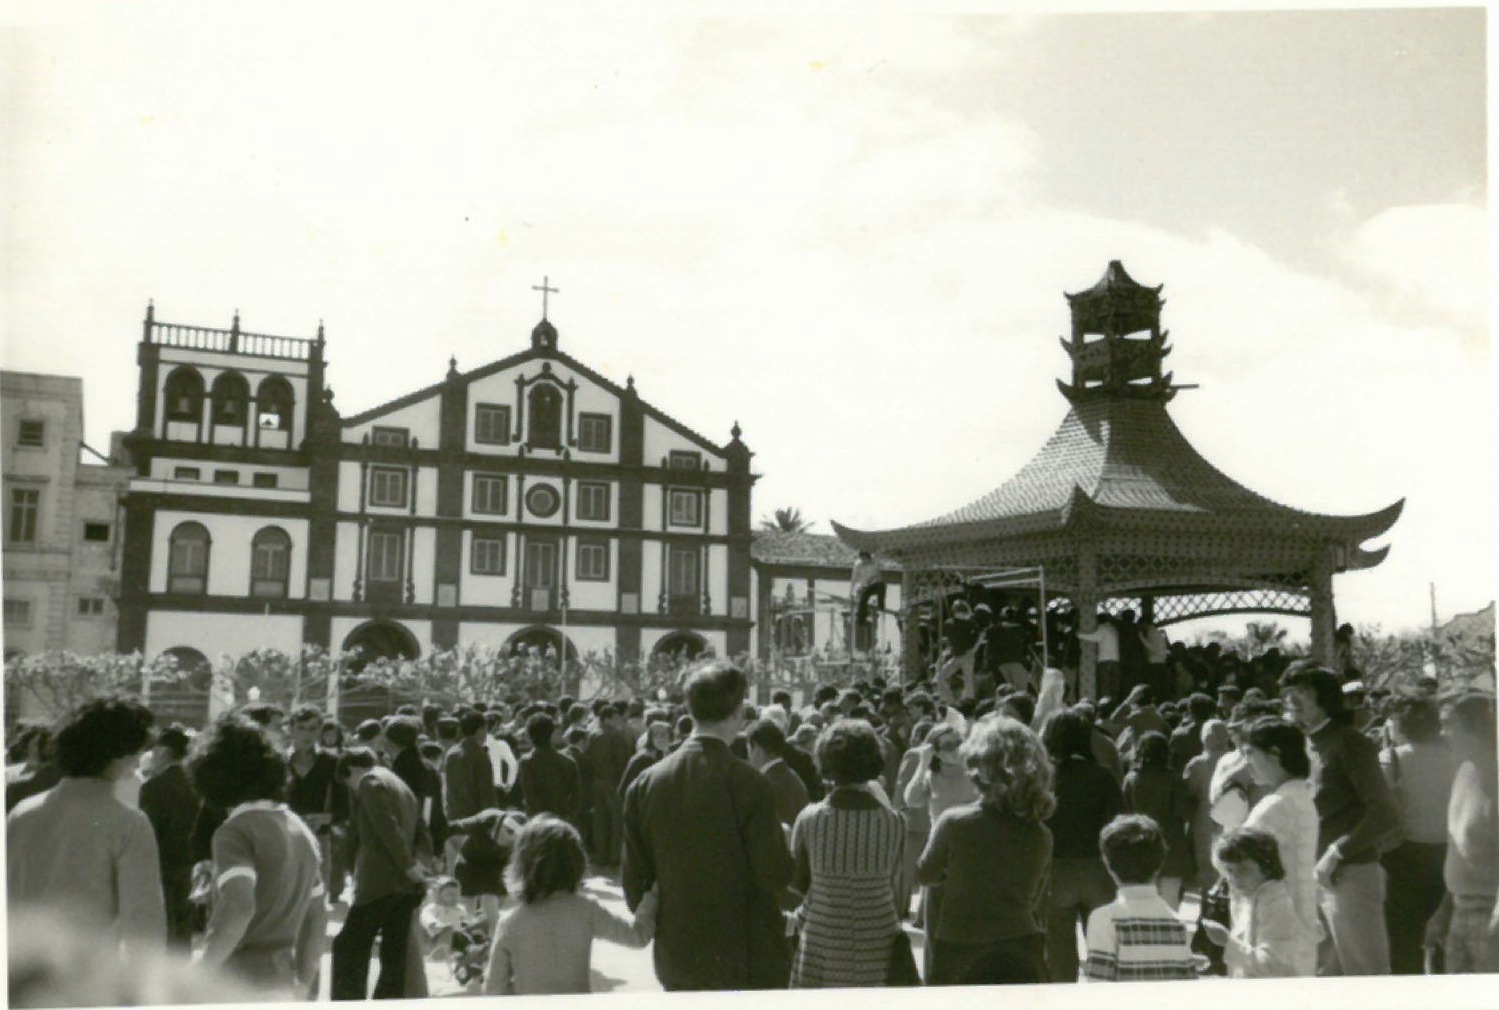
(1085, 602)
(1324, 614)
(910, 641)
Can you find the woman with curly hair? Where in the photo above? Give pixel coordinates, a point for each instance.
(847, 848)
(75, 848)
(269, 915)
(993, 860)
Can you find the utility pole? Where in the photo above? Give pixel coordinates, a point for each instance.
(1435, 645)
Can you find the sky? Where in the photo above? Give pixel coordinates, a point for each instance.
(851, 235)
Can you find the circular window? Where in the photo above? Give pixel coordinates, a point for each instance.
(542, 500)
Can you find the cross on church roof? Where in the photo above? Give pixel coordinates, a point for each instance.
(545, 290)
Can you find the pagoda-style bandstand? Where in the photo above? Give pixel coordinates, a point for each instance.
(1120, 511)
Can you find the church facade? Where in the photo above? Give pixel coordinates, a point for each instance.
(528, 502)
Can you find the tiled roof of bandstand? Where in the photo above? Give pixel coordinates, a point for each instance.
(1118, 461)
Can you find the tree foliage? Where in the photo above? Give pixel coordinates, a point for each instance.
(787, 520)
(57, 682)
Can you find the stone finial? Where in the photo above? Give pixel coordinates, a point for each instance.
(736, 431)
(452, 366)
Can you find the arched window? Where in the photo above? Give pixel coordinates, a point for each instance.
(274, 403)
(184, 392)
(270, 563)
(231, 394)
(187, 560)
(545, 429)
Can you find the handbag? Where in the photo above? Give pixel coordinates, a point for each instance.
(1213, 908)
(900, 967)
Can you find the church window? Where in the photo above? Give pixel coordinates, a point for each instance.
(545, 429)
(595, 433)
(593, 501)
(490, 493)
(388, 486)
(492, 424)
(684, 507)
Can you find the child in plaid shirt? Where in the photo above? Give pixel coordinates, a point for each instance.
(1136, 938)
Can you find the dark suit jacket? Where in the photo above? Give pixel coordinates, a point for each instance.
(386, 836)
(549, 784)
(170, 803)
(410, 769)
(702, 825)
(790, 793)
(468, 781)
(806, 769)
(609, 751)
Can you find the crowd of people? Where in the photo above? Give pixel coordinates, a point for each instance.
(779, 845)
(986, 638)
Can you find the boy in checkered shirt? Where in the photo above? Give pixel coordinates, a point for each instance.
(1137, 937)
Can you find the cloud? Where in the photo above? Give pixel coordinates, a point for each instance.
(1428, 259)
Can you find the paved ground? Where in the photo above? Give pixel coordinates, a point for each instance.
(620, 969)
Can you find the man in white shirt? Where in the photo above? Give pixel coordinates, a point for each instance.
(501, 757)
(1107, 666)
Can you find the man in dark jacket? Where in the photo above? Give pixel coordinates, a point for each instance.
(401, 737)
(389, 843)
(702, 827)
(548, 781)
(1356, 815)
(168, 800)
(767, 752)
(467, 776)
(609, 751)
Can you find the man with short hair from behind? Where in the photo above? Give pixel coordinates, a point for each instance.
(767, 752)
(609, 750)
(702, 827)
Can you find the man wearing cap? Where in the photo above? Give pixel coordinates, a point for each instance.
(1357, 814)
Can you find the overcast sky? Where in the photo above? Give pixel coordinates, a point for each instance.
(851, 235)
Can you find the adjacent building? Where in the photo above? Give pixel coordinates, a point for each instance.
(531, 501)
(62, 521)
(804, 606)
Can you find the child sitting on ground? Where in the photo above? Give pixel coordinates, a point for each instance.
(1136, 938)
(545, 946)
(1268, 939)
(441, 915)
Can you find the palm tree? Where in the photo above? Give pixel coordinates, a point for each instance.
(1260, 637)
(787, 520)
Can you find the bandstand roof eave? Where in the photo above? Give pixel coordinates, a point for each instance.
(908, 542)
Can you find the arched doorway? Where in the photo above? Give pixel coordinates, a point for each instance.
(379, 640)
(682, 647)
(184, 695)
(540, 641)
(371, 641)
